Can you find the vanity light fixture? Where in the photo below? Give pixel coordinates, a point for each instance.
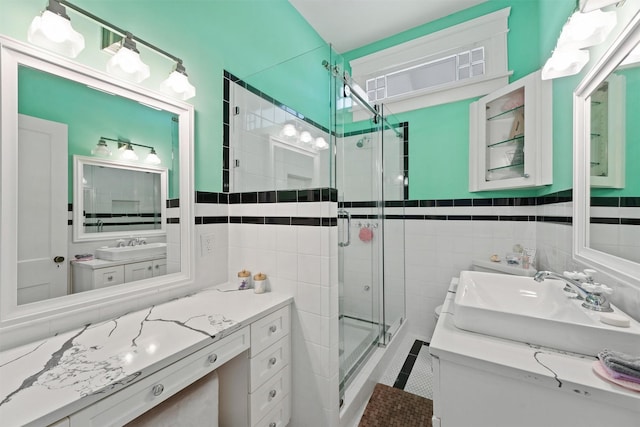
(177, 84)
(586, 29)
(126, 149)
(48, 30)
(52, 30)
(564, 62)
(102, 149)
(127, 63)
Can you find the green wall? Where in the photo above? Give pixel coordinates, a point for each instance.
(243, 37)
(439, 135)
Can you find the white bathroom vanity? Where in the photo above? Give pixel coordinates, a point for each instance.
(481, 380)
(111, 372)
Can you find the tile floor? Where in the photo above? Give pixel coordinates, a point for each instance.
(410, 370)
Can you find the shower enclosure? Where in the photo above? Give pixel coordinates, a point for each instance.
(370, 178)
(295, 128)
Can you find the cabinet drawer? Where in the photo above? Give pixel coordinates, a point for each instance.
(269, 362)
(269, 395)
(108, 276)
(269, 329)
(279, 416)
(136, 399)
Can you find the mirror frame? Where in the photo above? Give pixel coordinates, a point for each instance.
(12, 54)
(79, 233)
(619, 268)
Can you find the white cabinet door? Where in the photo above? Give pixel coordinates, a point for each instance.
(159, 267)
(108, 276)
(138, 271)
(510, 136)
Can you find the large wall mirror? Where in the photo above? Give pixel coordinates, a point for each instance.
(607, 152)
(82, 221)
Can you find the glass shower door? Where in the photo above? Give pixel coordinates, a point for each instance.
(358, 173)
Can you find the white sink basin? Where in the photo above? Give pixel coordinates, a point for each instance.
(539, 313)
(132, 252)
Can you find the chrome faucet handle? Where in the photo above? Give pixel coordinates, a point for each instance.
(120, 243)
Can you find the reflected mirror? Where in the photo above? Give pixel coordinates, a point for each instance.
(115, 200)
(88, 216)
(607, 149)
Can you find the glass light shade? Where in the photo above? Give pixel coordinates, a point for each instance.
(305, 137)
(153, 158)
(564, 62)
(320, 143)
(586, 29)
(55, 33)
(101, 150)
(177, 85)
(289, 130)
(127, 64)
(129, 154)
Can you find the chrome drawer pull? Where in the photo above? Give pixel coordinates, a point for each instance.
(273, 328)
(157, 389)
(212, 358)
(272, 361)
(272, 394)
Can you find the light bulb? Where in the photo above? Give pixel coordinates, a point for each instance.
(153, 158)
(128, 153)
(126, 62)
(177, 84)
(289, 130)
(101, 150)
(54, 32)
(320, 143)
(305, 137)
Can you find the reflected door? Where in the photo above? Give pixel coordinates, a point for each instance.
(42, 203)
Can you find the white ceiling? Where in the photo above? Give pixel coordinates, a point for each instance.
(349, 24)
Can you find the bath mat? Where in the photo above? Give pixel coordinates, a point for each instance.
(392, 407)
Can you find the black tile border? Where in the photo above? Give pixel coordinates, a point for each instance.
(331, 195)
(409, 362)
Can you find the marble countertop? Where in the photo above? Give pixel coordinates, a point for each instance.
(526, 362)
(47, 380)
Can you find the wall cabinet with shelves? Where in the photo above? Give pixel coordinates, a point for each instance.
(510, 136)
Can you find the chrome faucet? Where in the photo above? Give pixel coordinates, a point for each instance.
(592, 300)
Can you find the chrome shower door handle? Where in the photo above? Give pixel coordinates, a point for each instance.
(348, 215)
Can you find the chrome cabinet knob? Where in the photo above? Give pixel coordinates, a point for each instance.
(272, 394)
(110, 278)
(157, 389)
(272, 424)
(212, 358)
(272, 361)
(273, 328)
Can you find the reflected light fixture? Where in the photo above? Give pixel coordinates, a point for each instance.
(177, 84)
(289, 130)
(305, 137)
(153, 158)
(320, 143)
(52, 30)
(127, 63)
(101, 149)
(128, 153)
